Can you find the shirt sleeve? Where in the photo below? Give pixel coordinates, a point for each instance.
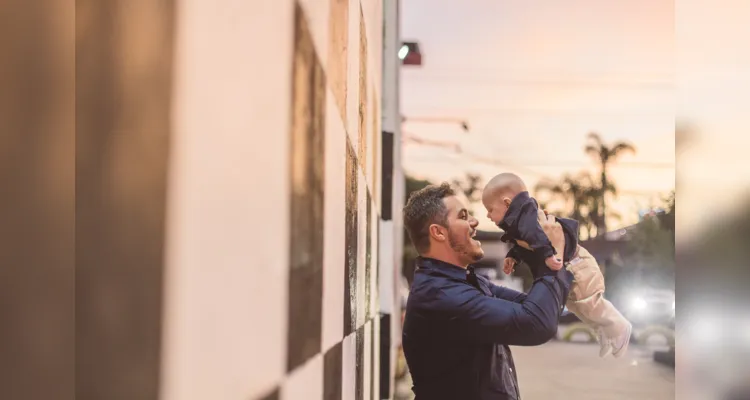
(531, 232)
(526, 322)
(505, 293)
(514, 253)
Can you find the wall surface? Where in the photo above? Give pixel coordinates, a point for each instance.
(271, 279)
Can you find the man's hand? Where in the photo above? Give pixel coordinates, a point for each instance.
(553, 230)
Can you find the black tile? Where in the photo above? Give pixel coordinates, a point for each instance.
(273, 395)
(350, 239)
(386, 188)
(307, 187)
(332, 373)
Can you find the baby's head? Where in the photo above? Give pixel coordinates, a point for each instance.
(499, 193)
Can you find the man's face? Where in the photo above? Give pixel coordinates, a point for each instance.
(461, 230)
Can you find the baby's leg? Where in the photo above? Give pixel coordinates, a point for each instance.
(573, 307)
(587, 298)
(588, 295)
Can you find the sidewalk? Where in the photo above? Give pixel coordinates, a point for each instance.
(559, 370)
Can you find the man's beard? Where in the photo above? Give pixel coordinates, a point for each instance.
(463, 246)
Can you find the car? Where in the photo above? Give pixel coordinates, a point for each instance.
(650, 307)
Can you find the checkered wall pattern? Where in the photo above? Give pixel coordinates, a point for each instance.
(346, 362)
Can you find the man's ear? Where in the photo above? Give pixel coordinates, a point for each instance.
(436, 232)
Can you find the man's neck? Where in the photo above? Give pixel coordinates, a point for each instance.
(446, 258)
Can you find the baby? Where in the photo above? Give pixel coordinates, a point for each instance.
(510, 207)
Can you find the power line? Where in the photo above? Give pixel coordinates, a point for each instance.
(473, 111)
(528, 171)
(484, 81)
(560, 163)
(632, 164)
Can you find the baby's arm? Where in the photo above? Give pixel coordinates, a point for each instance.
(531, 232)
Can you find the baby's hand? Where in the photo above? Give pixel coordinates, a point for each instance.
(508, 265)
(554, 263)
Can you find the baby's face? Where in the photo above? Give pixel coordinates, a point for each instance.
(496, 207)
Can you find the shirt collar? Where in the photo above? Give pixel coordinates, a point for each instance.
(451, 270)
(514, 210)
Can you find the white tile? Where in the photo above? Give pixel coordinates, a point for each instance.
(335, 232)
(217, 257)
(376, 357)
(386, 288)
(349, 367)
(352, 87)
(366, 360)
(305, 382)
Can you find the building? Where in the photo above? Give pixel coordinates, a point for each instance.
(238, 172)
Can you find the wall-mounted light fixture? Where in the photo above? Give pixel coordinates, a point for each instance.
(409, 54)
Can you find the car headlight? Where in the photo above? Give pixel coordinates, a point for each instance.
(639, 304)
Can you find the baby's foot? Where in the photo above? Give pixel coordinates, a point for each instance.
(620, 343)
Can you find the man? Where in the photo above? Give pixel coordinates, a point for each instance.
(458, 325)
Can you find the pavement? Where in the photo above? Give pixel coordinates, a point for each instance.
(562, 370)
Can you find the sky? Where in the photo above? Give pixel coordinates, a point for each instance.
(532, 79)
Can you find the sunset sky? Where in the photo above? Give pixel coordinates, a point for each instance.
(532, 78)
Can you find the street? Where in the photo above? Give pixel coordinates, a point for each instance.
(560, 370)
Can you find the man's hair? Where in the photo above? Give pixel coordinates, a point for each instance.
(424, 208)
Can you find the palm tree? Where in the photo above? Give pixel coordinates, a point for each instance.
(605, 155)
(471, 186)
(577, 192)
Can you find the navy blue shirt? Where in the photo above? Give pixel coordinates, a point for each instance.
(521, 223)
(458, 327)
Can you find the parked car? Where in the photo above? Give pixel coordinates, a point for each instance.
(650, 307)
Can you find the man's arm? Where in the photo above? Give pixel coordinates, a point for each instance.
(531, 321)
(505, 293)
(528, 322)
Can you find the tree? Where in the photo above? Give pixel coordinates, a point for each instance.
(668, 218)
(653, 245)
(605, 155)
(578, 193)
(595, 199)
(471, 186)
(412, 185)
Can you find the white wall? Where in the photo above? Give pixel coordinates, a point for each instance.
(226, 304)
